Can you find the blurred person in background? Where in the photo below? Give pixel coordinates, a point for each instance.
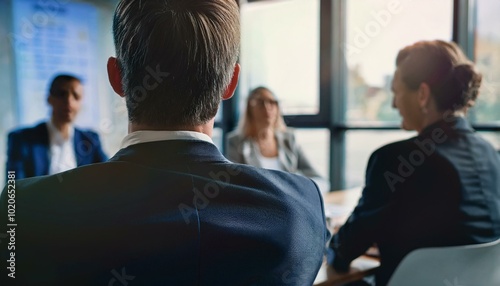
(263, 140)
(56, 145)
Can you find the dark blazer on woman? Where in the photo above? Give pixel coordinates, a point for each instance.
(28, 150)
(440, 188)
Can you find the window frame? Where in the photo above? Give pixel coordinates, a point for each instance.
(333, 88)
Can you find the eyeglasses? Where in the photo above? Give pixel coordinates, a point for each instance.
(260, 102)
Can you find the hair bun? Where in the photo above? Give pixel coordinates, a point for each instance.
(466, 81)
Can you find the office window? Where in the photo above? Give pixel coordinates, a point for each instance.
(280, 50)
(493, 138)
(375, 31)
(360, 145)
(487, 58)
(316, 145)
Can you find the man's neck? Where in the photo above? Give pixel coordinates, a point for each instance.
(206, 128)
(62, 127)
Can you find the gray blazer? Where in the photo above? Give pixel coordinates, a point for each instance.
(244, 150)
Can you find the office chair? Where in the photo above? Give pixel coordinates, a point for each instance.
(477, 264)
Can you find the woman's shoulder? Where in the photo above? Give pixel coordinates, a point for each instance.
(235, 135)
(287, 134)
(397, 147)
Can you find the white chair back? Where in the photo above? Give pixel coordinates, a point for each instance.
(469, 265)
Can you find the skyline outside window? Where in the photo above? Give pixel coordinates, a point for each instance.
(487, 58)
(375, 31)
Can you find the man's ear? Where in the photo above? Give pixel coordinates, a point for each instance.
(233, 84)
(114, 76)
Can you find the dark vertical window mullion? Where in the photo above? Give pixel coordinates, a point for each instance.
(456, 12)
(464, 27)
(332, 84)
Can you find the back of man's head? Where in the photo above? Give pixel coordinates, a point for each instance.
(176, 58)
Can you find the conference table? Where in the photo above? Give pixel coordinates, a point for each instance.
(338, 206)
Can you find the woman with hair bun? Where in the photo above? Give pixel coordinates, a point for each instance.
(440, 188)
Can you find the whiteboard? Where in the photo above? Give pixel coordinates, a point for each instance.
(52, 37)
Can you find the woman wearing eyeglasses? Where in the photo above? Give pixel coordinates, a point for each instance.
(263, 140)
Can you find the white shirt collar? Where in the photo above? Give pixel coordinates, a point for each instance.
(55, 136)
(152, 136)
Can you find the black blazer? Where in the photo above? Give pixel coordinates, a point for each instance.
(28, 150)
(167, 213)
(440, 188)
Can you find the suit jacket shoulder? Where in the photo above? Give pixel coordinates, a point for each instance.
(36, 133)
(234, 146)
(177, 205)
(88, 148)
(27, 151)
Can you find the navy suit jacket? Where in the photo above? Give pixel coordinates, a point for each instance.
(167, 213)
(440, 188)
(28, 150)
